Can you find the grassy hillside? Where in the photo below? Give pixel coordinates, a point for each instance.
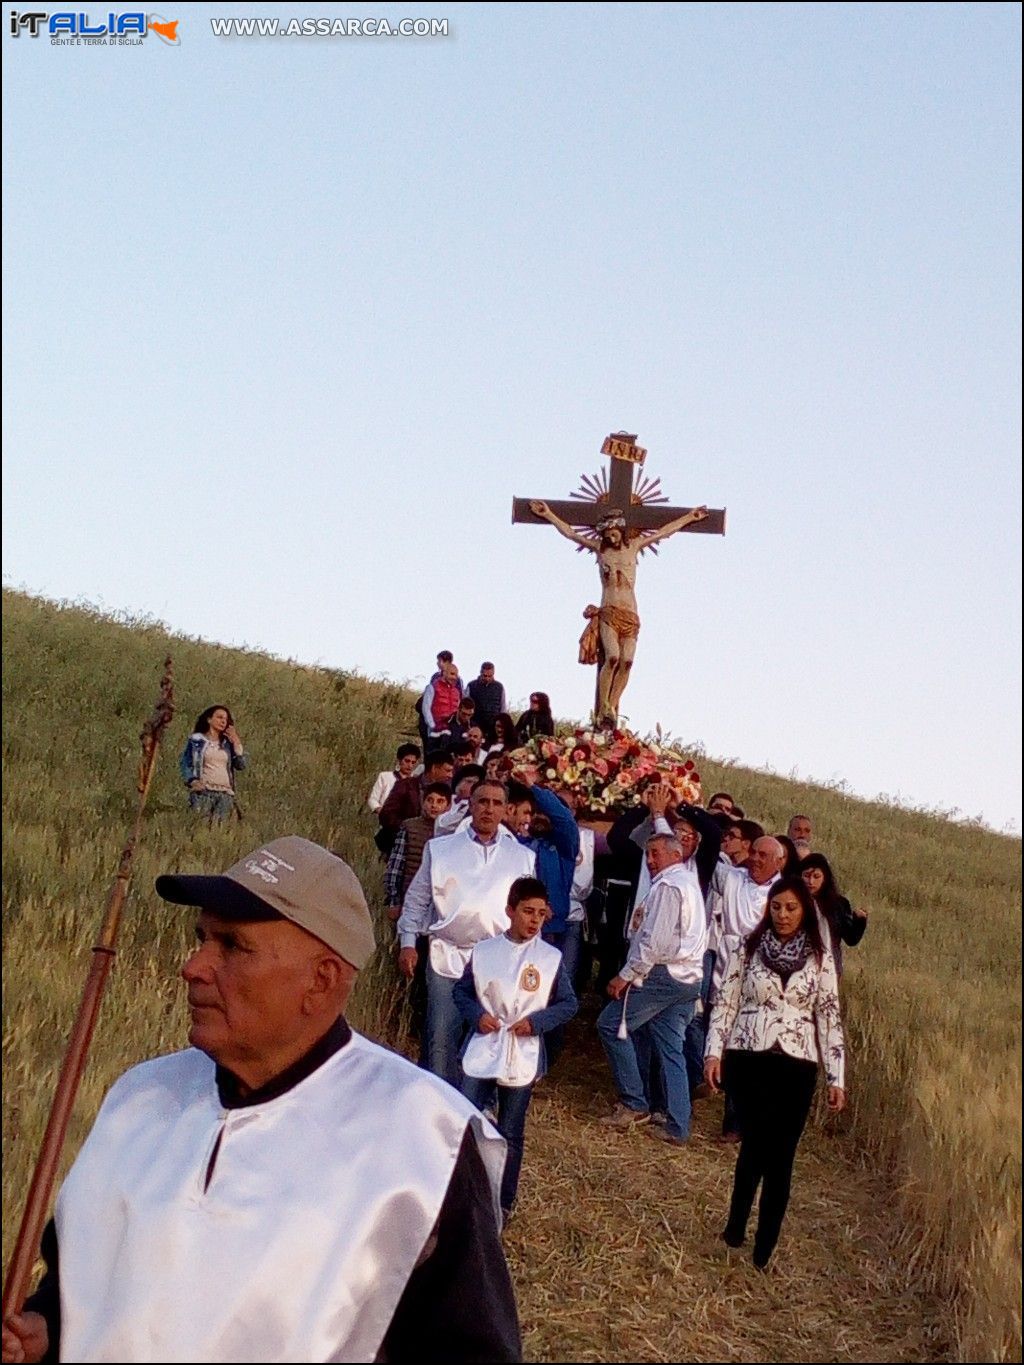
(932, 996)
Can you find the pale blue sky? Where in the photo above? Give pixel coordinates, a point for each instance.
(289, 321)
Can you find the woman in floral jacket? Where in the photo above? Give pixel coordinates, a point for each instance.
(775, 1018)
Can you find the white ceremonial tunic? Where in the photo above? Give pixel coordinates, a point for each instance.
(470, 883)
(299, 1249)
(583, 877)
(643, 886)
(513, 981)
(668, 929)
(737, 908)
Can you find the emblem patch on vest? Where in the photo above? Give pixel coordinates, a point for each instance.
(530, 979)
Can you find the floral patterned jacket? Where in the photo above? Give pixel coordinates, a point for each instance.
(754, 1012)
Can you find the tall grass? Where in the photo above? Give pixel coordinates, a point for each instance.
(932, 996)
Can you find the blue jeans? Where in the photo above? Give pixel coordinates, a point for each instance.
(216, 805)
(665, 1006)
(568, 944)
(651, 1073)
(443, 1030)
(697, 1028)
(513, 1102)
(572, 950)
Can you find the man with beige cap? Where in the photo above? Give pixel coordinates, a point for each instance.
(284, 1189)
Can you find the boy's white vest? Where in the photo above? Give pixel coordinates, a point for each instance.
(318, 1208)
(470, 884)
(513, 981)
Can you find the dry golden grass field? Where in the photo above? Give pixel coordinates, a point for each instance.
(904, 1236)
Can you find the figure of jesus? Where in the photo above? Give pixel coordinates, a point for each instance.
(616, 623)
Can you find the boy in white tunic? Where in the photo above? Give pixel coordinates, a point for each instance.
(514, 990)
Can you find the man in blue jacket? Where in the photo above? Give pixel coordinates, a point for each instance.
(553, 835)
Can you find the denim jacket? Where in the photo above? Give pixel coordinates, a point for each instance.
(191, 764)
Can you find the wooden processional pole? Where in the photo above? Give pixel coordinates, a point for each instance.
(26, 1247)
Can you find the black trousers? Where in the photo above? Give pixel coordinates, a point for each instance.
(772, 1094)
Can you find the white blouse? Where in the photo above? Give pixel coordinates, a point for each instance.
(755, 1012)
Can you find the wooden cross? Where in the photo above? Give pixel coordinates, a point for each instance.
(625, 456)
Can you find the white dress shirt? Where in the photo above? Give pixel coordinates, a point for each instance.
(380, 791)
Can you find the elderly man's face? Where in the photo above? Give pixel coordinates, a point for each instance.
(800, 828)
(765, 861)
(661, 855)
(247, 989)
(687, 836)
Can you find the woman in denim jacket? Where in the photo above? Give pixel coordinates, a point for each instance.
(211, 758)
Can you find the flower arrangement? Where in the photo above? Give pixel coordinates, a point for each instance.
(605, 770)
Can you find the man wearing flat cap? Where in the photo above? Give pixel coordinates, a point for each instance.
(283, 1190)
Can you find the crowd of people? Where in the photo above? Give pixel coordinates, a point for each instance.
(717, 944)
(287, 1190)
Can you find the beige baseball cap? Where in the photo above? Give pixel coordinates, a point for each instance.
(289, 878)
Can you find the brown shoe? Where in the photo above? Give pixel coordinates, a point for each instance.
(729, 1139)
(663, 1135)
(623, 1117)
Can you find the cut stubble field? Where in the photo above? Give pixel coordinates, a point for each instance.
(903, 1239)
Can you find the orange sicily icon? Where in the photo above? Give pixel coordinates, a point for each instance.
(167, 30)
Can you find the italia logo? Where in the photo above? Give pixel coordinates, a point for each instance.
(74, 26)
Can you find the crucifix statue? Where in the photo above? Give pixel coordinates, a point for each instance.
(616, 520)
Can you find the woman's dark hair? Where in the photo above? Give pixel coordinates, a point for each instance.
(543, 702)
(508, 729)
(793, 866)
(437, 789)
(203, 719)
(408, 751)
(829, 892)
(809, 924)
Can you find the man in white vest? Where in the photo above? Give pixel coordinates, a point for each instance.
(284, 1190)
(737, 900)
(658, 989)
(457, 898)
